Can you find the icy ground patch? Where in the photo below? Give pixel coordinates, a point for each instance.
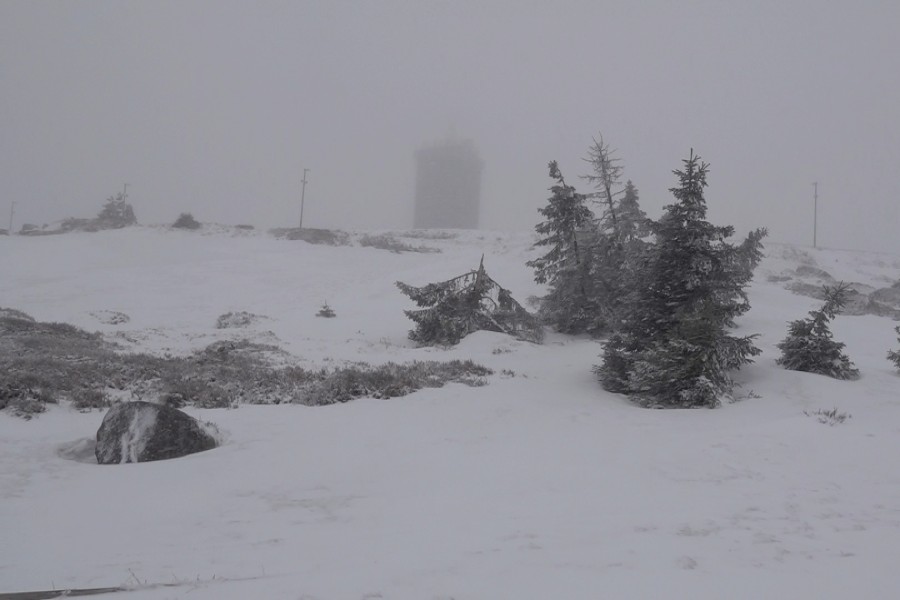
(538, 485)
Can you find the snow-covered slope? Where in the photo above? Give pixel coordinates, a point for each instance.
(538, 485)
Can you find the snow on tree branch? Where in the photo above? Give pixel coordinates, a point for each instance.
(473, 301)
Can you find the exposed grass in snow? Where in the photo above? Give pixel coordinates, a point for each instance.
(828, 417)
(43, 363)
(390, 380)
(387, 241)
(238, 319)
(328, 237)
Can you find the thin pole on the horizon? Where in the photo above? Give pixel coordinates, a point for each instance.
(303, 196)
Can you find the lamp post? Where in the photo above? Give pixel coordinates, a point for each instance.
(303, 196)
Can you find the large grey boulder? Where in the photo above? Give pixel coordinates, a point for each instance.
(141, 432)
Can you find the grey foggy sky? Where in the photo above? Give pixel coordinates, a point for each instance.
(214, 107)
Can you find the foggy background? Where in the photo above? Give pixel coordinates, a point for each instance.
(215, 107)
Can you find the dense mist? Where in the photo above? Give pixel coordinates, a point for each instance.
(215, 108)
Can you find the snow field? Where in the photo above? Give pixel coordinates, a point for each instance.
(538, 485)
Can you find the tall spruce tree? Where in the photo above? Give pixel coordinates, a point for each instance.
(673, 348)
(809, 345)
(567, 230)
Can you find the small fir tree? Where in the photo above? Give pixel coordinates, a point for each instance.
(673, 347)
(809, 346)
(566, 214)
(633, 222)
(116, 213)
(894, 355)
(565, 268)
(326, 311)
(455, 308)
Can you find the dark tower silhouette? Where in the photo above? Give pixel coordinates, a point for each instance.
(448, 185)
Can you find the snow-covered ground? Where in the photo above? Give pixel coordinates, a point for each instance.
(538, 485)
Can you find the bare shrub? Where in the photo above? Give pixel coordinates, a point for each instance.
(186, 221)
(77, 224)
(828, 417)
(23, 396)
(86, 400)
(329, 237)
(231, 320)
(390, 380)
(111, 317)
(215, 396)
(26, 406)
(41, 363)
(427, 234)
(387, 241)
(224, 374)
(816, 272)
(12, 313)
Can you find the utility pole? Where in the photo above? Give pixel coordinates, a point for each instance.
(303, 197)
(12, 211)
(125, 192)
(815, 211)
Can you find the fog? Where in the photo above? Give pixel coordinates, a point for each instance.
(216, 107)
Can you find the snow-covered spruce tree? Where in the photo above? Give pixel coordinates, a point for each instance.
(894, 355)
(617, 255)
(619, 237)
(326, 312)
(673, 347)
(621, 216)
(633, 222)
(809, 346)
(455, 308)
(116, 213)
(567, 231)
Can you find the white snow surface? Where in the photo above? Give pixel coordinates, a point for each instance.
(539, 485)
(134, 440)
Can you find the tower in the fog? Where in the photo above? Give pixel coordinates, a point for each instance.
(448, 185)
